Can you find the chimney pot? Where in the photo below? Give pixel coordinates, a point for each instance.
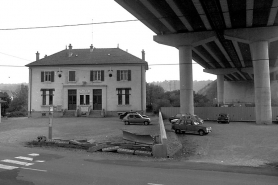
(91, 48)
(70, 50)
(37, 56)
(143, 55)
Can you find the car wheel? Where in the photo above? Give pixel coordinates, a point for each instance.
(145, 123)
(177, 131)
(201, 132)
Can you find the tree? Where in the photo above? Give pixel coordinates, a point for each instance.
(5, 106)
(153, 92)
(20, 100)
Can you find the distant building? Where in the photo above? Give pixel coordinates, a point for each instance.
(99, 79)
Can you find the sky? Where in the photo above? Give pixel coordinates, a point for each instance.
(18, 47)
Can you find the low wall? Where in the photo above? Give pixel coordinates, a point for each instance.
(211, 113)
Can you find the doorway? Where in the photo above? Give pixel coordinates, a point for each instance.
(97, 99)
(72, 99)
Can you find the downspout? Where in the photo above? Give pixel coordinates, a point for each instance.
(30, 89)
(142, 90)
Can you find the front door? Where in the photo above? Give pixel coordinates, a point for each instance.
(71, 99)
(97, 99)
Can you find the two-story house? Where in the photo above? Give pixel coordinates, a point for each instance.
(106, 79)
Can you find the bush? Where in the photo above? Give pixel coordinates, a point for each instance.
(17, 114)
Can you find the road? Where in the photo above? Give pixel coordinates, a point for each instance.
(39, 166)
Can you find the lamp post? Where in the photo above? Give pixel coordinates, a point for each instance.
(50, 122)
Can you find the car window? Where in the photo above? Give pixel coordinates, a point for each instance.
(131, 116)
(188, 122)
(137, 116)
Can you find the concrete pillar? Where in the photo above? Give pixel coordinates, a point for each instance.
(261, 82)
(0, 112)
(186, 80)
(220, 90)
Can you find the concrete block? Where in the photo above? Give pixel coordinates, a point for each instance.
(125, 151)
(142, 153)
(110, 149)
(159, 150)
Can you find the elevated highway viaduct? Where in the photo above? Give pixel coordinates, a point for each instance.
(237, 40)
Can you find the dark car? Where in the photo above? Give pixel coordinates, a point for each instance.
(223, 118)
(190, 126)
(136, 118)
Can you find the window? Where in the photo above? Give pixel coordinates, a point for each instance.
(97, 75)
(84, 99)
(123, 96)
(47, 96)
(71, 76)
(123, 75)
(47, 76)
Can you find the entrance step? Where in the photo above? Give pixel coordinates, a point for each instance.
(69, 113)
(95, 114)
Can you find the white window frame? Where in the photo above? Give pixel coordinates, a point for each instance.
(123, 75)
(47, 76)
(96, 75)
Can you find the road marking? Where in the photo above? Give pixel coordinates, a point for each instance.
(34, 154)
(39, 161)
(34, 169)
(17, 162)
(6, 167)
(25, 158)
(154, 184)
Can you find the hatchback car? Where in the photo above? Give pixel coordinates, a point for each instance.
(136, 118)
(190, 126)
(223, 118)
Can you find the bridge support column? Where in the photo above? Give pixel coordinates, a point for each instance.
(262, 82)
(186, 80)
(220, 90)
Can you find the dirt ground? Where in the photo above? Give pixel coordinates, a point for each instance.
(237, 143)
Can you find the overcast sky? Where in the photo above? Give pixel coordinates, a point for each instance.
(18, 47)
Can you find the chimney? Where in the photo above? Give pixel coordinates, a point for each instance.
(143, 55)
(91, 48)
(37, 56)
(70, 50)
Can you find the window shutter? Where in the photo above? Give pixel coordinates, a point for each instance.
(91, 76)
(42, 76)
(129, 75)
(102, 75)
(118, 75)
(52, 76)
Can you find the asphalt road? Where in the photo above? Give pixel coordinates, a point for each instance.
(39, 166)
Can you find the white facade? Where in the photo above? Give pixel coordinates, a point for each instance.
(108, 88)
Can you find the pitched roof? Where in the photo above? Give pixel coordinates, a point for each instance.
(98, 56)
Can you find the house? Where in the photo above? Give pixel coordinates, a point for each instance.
(92, 80)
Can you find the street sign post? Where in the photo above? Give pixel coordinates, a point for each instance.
(51, 111)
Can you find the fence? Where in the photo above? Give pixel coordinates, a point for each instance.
(211, 113)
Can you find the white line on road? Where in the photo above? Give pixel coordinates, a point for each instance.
(17, 162)
(34, 154)
(34, 169)
(39, 161)
(25, 158)
(7, 167)
(154, 184)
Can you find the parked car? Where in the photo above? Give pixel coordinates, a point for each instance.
(177, 116)
(223, 118)
(189, 116)
(190, 126)
(121, 116)
(136, 118)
